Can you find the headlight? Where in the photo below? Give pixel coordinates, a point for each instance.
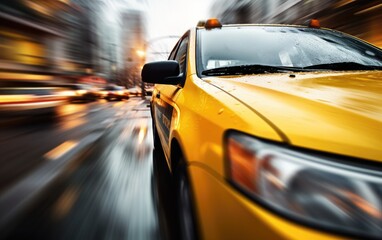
(67, 93)
(317, 191)
(81, 92)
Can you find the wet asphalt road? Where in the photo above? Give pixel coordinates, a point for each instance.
(89, 173)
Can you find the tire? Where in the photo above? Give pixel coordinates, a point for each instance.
(157, 144)
(184, 203)
(156, 139)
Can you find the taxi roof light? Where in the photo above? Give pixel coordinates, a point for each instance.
(314, 23)
(212, 23)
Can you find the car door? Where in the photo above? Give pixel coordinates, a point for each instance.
(165, 96)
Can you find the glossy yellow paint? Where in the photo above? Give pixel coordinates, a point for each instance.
(330, 112)
(205, 113)
(224, 213)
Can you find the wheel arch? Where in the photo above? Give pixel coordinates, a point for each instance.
(176, 154)
(179, 168)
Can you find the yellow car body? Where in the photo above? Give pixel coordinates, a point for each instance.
(335, 113)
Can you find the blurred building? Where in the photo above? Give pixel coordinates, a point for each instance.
(58, 41)
(133, 45)
(100, 39)
(357, 17)
(77, 58)
(31, 40)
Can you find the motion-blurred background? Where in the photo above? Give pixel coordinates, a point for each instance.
(63, 62)
(104, 41)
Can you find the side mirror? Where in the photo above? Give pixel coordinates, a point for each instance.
(161, 72)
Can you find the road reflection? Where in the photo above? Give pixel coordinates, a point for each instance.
(26, 140)
(69, 109)
(108, 192)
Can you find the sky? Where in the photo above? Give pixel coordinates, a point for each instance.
(166, 17)
(174, 17)
(163, 18)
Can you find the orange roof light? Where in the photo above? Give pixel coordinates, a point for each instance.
(212, 23)
(314, 23)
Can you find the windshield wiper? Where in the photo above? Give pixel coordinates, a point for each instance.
(250, 69)
(343, 66)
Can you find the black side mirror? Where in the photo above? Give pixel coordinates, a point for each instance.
(161, 72)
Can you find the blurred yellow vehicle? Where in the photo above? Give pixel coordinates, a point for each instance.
(271, 132)
(114, 92)
(82, 92)
(18, 98)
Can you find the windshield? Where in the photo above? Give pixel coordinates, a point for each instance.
(290, 47)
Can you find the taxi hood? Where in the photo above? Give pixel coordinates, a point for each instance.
(338, 112)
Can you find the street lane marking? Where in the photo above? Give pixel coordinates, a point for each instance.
(73, 123)
(142, 134)
(118, 104)
(65, 203)
(60, 150)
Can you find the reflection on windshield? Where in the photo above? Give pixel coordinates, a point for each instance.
(282, 46)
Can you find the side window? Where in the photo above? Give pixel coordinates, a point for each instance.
(173, 51)
(182, 54)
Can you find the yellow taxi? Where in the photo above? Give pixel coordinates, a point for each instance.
(271, 132)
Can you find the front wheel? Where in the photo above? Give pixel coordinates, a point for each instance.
(184, 204)
(157, 144)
